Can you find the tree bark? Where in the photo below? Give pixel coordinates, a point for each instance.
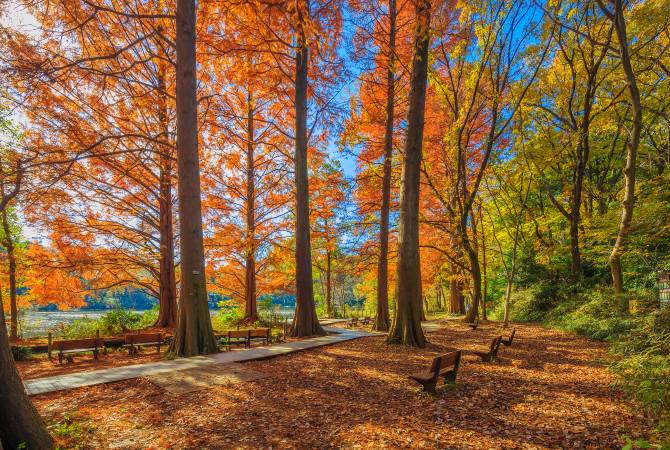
(455, 294)
(406, 328)
(167, 299)
(382, 320)
(250, 311)
(329, 287)
(194, 335)
(11, 260)
(631, 150)
(19, 420)
(476, 274)
(483, 244)
(305, 321)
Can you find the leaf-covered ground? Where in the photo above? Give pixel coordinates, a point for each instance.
(548, 390)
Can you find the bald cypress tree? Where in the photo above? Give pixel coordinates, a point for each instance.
(406, 328)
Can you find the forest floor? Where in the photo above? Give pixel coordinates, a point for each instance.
(548, 390)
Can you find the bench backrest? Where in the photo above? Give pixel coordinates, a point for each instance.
(495, 345)
(77, 344)
(259, 332)
(143, 338)
(238, 333)
(447, 361)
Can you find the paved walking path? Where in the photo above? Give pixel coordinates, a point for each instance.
(75, 380)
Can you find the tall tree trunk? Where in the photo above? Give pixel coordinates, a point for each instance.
(305, 321)
(194, 335)
(476, 275)
(329, 287)
(455, 292)
(631, 153)
(11, 260)
(483, 241)
(454, 303)
(575, 215)
(19, 420)
(250, 311)
(406, 328)
(167, 298)
(382, 321)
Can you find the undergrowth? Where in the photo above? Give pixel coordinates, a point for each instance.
(113, 322)
(640, 343)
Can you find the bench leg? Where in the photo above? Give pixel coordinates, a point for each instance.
(429, 386)
(450, 378)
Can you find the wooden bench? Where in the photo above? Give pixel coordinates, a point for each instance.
(442, 366)
(508, 342)
(134, 341)
(353, 322)
(72, 346)
(493, 350)
(237, 337)
(366, 321)
(474, 324)
(259, 334)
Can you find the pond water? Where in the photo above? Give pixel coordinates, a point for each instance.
(39, 323)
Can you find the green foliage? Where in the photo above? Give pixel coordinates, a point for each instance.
(113, 322)
(71, 432)
(228, 316)
(21, 353)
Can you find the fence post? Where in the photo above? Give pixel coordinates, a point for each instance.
(49, 340)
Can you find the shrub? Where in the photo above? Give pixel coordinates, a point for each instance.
(113, 322)
(21, 353)
(646, 377)
(228, 316)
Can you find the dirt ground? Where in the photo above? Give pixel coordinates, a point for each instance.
(549, 390)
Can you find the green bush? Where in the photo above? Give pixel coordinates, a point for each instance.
(21, 353)
(114, 322)
(593, 313)
(228, 316)
(646, 377)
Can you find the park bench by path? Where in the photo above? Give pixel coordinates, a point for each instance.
(445, 366)
(366, 321)
(259, 335)
(492, 353)
(353, 322)
(474, 324)
(134, 341)
(508, 342)
(236, 337)
(73, 346)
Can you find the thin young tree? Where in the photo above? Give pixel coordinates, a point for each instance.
(382, 320)
(628, 203)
